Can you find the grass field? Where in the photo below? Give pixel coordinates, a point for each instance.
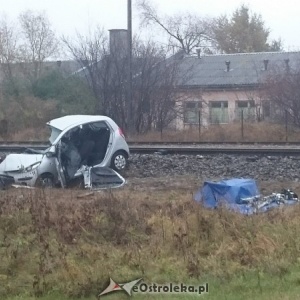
(65, 244)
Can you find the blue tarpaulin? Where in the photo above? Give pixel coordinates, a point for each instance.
(239, 194)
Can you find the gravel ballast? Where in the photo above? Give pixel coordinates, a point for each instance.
(215, 166)
(278, 168)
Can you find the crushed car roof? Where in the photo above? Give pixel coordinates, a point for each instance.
(73, 120)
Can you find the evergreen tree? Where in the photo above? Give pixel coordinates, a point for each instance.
(243, 32)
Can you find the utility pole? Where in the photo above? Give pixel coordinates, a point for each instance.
(130, 114)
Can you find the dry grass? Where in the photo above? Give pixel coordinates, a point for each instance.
(53, 240)
(26, 117)
(252, 132)
(31, 134)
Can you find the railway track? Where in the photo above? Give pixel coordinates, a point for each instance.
(258, 148)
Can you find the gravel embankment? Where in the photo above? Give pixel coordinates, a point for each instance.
(279, 168)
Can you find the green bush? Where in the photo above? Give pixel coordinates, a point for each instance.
(72, 93)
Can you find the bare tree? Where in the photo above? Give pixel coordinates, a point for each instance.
(155, 91)
(39, 40)
(8, 50)
(282, 89)
(106, 70)
(89, 50)
(186, 31)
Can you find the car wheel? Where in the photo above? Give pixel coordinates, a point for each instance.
(119, 161)
(45, 181)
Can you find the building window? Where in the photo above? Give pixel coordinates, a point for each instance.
(219, 112)
(266, 108)
(247, 107)
(192, 110)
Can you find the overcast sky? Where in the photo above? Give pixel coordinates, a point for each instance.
(66, 16)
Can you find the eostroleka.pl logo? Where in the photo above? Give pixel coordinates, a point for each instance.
(126, 287)
(136, 286)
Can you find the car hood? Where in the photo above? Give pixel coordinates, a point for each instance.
(15, 162)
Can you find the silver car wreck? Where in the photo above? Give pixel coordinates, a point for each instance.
(92, 148)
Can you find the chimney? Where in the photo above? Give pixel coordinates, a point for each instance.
(198, 52)
(118, 42)
(266, 61)
(287, 66)
(227, 62)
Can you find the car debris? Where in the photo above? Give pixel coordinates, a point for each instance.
(92, 148)
(85, 195)
(18, 186)
(242, 195)
(265, 203)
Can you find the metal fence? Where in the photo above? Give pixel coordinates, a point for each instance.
(243, 120)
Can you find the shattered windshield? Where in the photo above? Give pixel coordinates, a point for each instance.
(54, 134)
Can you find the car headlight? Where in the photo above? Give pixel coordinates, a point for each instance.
(32, 167)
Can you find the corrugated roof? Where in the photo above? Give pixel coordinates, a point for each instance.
(244, 69)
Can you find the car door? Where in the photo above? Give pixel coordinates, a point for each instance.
(96, 178)
(67, 158)
(59, 166)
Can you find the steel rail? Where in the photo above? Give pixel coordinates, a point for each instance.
(178, 148)
(217, 149)
(45, 143)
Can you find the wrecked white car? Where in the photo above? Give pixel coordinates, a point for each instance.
(92, 148)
